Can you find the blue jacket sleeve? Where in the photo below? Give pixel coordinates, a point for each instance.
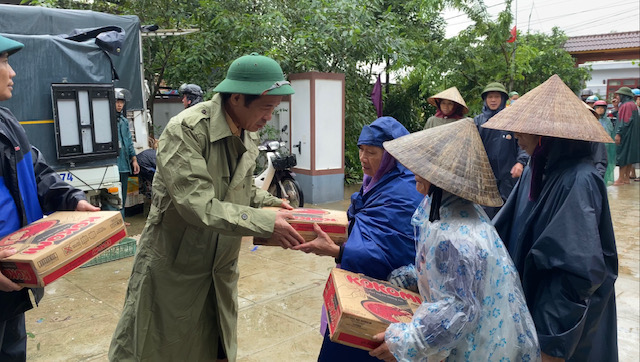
(131, 152)
(523, 157)
(600, 158)
(53, 193)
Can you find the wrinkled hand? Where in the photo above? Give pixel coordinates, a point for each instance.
(285, 205)
(284, 233)
(382, 352)
(136, 167)
(7, 285)
(84, 205)
(547, 358)
(322, 245)
(617, 139)
(516, 170)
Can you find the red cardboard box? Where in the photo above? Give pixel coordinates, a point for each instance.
(359, 307)
(57, 244)
(332, 222)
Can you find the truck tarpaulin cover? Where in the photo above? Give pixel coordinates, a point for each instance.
(50, 58)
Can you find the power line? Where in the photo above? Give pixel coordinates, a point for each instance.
(542, 20)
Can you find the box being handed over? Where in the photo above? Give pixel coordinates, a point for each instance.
(57, 244)
(332, 222)
(359, 307)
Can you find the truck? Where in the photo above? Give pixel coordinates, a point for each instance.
(64, 91)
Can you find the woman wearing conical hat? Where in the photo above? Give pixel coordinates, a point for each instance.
(557, 226)
(450, 107)
(474, 308)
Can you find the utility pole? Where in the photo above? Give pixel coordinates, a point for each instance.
(515, 46)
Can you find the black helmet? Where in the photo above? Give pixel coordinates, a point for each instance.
(193, 92)
(585, 93)
(122, 94)
(193, 89)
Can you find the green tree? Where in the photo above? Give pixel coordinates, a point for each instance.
(479, 55)
(350, 37)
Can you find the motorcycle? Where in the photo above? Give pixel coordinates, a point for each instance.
(277, 177)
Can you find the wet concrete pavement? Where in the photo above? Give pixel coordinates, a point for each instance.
(280, 298)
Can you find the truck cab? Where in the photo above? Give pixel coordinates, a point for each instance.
(64, 91)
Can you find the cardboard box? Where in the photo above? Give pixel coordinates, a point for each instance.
(333, 222)
(359, 307)
(57, 244)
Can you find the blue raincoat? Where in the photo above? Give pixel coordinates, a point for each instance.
(381, 235)
(564, 249)
(477, 310)
(503, 152)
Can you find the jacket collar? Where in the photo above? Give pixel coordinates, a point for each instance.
(219, 128)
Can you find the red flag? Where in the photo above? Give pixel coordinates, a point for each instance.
(376, 96)
(513, 35)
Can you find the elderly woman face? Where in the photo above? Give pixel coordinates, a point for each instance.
(527, 142)
(422, 185)
(370, 159)
(447, 107)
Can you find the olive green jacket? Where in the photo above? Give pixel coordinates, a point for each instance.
(182, 294)
(434, 121)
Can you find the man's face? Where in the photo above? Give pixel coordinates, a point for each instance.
(493, 100)
(119, 105)
(254, 116)
(6, 74)
(185, 102)
(527, 142)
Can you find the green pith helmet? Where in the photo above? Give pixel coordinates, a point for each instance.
(626, 91)
(513, 93)
(494, 87)
(9, 46)
(255, 74)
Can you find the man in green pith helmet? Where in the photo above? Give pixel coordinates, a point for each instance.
(181, 303)
(506, 158)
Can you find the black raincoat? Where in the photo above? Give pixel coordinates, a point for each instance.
(503, 152)
(564, 249)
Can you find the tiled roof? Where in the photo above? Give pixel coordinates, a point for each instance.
(609, 41)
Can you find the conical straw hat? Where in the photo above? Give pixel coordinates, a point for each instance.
(451, 157)
(550, 109)
(451, 94)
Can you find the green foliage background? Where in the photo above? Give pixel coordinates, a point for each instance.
(350, 37)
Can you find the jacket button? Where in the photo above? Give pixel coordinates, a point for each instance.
(244, 216)
(204, 111)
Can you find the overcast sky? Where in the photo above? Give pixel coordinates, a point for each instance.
(575, 17)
